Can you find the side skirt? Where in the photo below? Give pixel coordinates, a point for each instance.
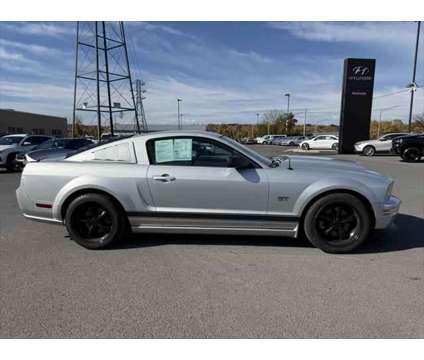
(214, 223)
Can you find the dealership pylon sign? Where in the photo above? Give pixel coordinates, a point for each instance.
(355, 115)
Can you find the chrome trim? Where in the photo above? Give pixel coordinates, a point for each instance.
(214, 230)
(43, 219)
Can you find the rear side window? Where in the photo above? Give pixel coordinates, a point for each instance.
(118, 153)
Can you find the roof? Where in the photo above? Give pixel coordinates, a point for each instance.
(181, 133)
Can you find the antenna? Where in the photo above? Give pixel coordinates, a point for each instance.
(139, 94)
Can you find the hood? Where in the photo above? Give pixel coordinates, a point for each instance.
(328, 166)
(5, 147)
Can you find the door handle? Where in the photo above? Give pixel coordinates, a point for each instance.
(164, 178)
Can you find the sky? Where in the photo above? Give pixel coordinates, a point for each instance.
(224, 72)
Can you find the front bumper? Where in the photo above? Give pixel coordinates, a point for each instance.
(387, 211)
(359, 148)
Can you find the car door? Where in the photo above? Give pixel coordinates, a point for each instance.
(317, 143)
(196, 175)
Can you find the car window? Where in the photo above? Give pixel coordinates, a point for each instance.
(75, 144)
(35, 140)
(118, 152)
(45, 145)
(320, 138)
(9, 140)
(190, 151)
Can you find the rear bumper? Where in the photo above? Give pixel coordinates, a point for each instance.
(387, 211)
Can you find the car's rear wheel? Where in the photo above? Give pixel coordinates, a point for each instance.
(305, 146)
(411, 154)
(95, 221)
(368, 150)
(335, 146)
(337, 223)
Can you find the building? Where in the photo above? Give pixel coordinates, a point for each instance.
(18, 122)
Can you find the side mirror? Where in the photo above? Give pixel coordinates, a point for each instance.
(240, 162)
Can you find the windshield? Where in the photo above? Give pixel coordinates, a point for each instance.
(10, 140)
(253, 154)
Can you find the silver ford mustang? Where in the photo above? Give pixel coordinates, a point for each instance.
(201, 182)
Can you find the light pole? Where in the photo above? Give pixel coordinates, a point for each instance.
(288, 102)
(178, 119)
(304, 123)
(413, 86)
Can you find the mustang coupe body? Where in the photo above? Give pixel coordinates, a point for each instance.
(201, 182)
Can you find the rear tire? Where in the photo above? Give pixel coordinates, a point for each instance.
(411, 154)
(337, 223)
(368, 150)
(335, 146)
(95, 221)
(305, 146)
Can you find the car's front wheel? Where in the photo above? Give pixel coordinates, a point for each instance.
(411, 154)
(305, 146)
(95, 221)
(11, 163)
(368, 150)
(337, 223)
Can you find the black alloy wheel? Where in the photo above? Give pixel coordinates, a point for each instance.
(337, 223)
(91, 220)
(95, 221)
(305, 146)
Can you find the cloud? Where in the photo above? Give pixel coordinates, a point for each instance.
(32, 48)
(395, 33)
(56, 29)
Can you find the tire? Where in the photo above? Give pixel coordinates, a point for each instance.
(291, 144)
(337, 223)
(94, 221)
(305, 146)
(411, 154)
(335, 146)
(368, 150)
(11, 164)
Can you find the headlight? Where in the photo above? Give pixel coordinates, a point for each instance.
(389, 190)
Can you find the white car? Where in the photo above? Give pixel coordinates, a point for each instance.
(11, 145)
(321, 142)
(382, 144)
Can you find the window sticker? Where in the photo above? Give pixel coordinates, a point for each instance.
(183, 149)
(164, 150)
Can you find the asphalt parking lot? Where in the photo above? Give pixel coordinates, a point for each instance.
(214, 286)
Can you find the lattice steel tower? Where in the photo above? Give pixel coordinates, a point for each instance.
(139, 94)
(103, 85)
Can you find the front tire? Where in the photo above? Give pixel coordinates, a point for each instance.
(95, 221)
(337, 223)
(368, 151)
(11, 163)
(411, 154)
(305, 146)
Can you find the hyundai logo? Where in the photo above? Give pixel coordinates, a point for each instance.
(360, 70)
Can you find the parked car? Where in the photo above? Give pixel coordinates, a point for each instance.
(201, 182)
(276, 139)
(267, 139)
(11, 145)
(382, 144)
(292, 140)
(53, 149)
(410, 148)
(322, 142)
(247, 140)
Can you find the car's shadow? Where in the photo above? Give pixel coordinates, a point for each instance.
(407, 232)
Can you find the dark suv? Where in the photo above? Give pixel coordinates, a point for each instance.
(410, 148)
